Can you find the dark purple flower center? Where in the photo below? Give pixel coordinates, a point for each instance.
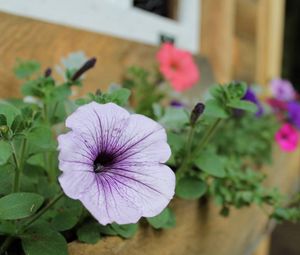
(103, 160)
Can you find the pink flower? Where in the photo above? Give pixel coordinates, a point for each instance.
(287, 138)
(178, 67)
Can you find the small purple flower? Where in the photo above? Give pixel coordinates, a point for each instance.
(294, 113)
(113, 162)
(282, 90)
(251, 97)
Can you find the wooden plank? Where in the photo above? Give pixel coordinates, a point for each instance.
(30, 39)
(217, 36)
(270, 25)
(264, 247)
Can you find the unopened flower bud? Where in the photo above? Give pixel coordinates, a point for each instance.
(88, 65)
(48, 72)
(196, 113)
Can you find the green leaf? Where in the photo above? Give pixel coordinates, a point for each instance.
(6, 179)
(68, 214)
(243, 105)
(161, 220)
(190, 188)
(9, 111)
(7, 227)
(211, 164)
(89, 233)
(174, 118)
(120, 96)
(19, 205)
(5, 152)
(24, 69)
(215, 109)
(41, 138)
(41, 239)
(3, 120)
(126, 231)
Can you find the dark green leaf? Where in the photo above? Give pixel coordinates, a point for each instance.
(3, 120)
(5, 152)
(161, 220)
(19, 205)
(41, 239)
(126, 231)
(190, 188)
(89, 233)
(6, 179)
(41, 138)
(7, 227)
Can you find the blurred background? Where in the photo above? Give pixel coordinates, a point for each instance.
(251, 40)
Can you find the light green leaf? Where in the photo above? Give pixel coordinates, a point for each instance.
(215, 109)
(211, 164)
(24, 69)
(5, 152)
(190, 188)
(174, 117)
(9, 111)
(243, 105)
(19, 205)
(41, 239)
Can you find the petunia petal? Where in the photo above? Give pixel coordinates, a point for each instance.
(125, 194)
(143, 140)
(96, 119)
(76, 152)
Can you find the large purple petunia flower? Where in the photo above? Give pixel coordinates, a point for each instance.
(113, 162)
(294, 113)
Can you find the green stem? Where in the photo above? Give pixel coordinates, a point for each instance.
(203, 142)
(208, 135)
(16, 185)
(186, 159)
(5, 245)
(41, 212)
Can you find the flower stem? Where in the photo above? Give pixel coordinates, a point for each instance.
(186, 159)
(208, 135)
(41, 212)
(7, 242)
(16, 184)
(203, 142)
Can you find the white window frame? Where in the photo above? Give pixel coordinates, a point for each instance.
(115, 17)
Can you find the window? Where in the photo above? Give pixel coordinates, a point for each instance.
(136, 20)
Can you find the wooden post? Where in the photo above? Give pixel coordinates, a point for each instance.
(264, 247)
(217, 36)
(270, 25)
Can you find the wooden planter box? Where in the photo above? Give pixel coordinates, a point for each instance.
(200, 229)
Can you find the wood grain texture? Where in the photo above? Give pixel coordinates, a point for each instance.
(200, 229)
(217, 36)
(30, 39)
